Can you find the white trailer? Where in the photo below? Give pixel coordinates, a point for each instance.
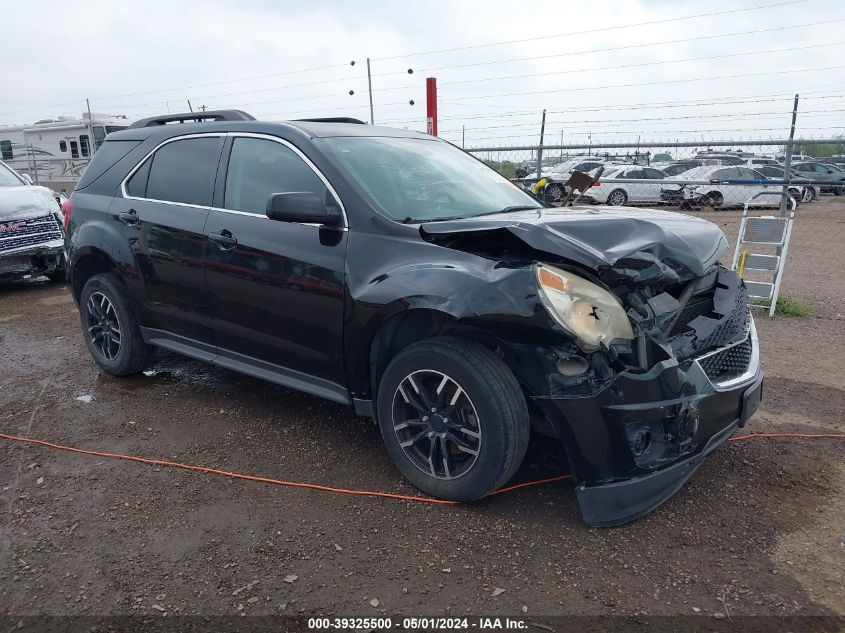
(54, 152)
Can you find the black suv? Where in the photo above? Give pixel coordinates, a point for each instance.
(390, 271)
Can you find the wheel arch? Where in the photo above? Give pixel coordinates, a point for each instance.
(87, 263)
(411, 326)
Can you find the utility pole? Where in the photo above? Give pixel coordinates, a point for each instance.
(370, 90)
(561, 146)
(540, 148)
(787, 163)
(92, 145)
(190, 107)
(463, 136)
(203, 107)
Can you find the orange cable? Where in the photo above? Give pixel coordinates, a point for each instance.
(365, 493)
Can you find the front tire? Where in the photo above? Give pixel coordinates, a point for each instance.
(617, 198)
(110, 328)
(453, 418)
(714, 200)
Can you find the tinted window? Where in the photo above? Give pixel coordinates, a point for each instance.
(723, 174)
(83, 144)
(635, 173)
(748, 174)
(62, 146)
(183, 171)
(137, 185)
(259, 168)
(654, 174)
(74, 149)
(104, 159)
(6, 150)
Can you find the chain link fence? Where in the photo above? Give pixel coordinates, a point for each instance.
(715, 180)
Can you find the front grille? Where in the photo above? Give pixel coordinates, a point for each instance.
(30, 232)
(728, 363)
(699, 305)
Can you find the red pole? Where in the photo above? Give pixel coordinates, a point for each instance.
(431, 105)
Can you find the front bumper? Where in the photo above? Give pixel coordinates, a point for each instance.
(635, 443)
(32, 260)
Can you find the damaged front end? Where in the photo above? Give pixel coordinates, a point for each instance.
(639, 427)
(31, 247)
(640, 407)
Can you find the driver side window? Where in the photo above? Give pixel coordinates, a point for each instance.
(259, 168)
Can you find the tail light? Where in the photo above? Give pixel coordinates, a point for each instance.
(596, 184)
(67, 207)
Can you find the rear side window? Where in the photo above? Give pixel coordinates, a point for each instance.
(104, 159)
(137, 185)
(183, 171)
(259, 168)
(6, 150)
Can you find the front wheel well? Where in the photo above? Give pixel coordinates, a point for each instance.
(412, 326)
(88, 265)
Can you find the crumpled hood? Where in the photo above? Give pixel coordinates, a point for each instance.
(19, 203)
(643, 244)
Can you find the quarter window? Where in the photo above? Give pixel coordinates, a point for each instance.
(183, 171)
(6, 150)
(62, 146)
(259, 168)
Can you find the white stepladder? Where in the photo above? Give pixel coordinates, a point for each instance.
(766, 233)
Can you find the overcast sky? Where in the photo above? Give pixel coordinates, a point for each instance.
(279, 59)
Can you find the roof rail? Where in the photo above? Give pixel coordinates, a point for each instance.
(336, 119)
(194, 117)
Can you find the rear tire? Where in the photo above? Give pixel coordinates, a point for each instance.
(474, 439)
(110, 328)
(617, 198)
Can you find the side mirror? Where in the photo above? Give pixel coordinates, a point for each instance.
(301, 206)
(27, 178)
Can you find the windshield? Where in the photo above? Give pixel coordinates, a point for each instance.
(411, 179)
(7, 178)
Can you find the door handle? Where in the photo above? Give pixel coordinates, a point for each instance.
(129, 218)
(224, 240)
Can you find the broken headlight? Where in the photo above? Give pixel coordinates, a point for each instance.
(589, 312)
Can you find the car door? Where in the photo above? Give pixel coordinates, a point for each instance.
(747, 191)
(276, 289)
(162, 213)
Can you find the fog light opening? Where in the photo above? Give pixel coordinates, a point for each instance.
(573, 366)
(641, 442)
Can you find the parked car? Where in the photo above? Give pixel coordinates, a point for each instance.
(804, 193)
(759, 161)
(459, 320)
(723, 158)
(31, 238)
(823, 172)
(553, 188)
(621, 193)
(717, 194)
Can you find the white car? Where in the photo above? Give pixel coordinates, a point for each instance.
(620, 193)
(717, 194)
(31, 231)
(559, 174)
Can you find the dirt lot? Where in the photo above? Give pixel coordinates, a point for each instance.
(760, 530)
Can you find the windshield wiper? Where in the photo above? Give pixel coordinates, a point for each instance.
(478, 215)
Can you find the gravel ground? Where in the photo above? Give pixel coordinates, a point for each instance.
(758, 530)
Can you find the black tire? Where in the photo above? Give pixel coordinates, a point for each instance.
(617, 198)
(714, 200)
(497, 403)
(554, 192)
(132, 355)
(838, 191)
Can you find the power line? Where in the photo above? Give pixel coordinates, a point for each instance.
(648, 83)
(599, 30)
(739, 116)
(642, 64)
(616, 48)
(653, 105)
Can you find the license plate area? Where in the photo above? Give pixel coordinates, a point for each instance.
(751, 399)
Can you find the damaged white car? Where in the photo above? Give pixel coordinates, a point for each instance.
(31, 229)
